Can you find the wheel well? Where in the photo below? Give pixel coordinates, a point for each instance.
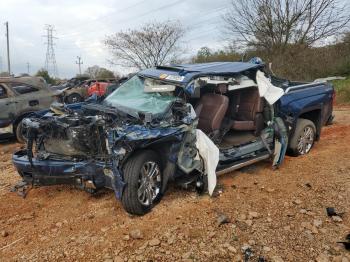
(74, 93)
(17, 120)
(315, 117)
(161, 149)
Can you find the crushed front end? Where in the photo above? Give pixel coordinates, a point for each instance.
(67, 147)
(88, 146)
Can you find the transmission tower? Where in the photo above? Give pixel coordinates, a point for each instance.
(50, 61)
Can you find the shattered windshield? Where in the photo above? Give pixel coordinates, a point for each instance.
(132, 95)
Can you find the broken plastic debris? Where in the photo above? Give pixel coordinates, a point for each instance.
(21, 188)
(346, 243)
(331, 212)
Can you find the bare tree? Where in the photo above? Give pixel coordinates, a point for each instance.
(96, 72)
(92, 71)
(271, 24)
(151, 45)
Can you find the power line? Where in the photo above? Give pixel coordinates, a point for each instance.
(125, 19)
(50, 60)
(79, 63)
(112, 15)
(203, 34)
(198, 24)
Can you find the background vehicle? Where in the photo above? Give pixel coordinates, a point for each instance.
(74, 90)
(100, 86)
(147, 132)
(78, 89)
(19, 97)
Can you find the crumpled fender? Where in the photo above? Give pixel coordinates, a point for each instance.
(281, 142)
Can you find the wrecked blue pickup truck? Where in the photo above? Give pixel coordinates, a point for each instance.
(182, 123)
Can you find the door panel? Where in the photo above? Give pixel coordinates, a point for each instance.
(7, 105)
(31, 98)
(7, 110)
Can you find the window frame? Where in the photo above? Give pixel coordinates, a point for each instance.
(6, 92)
(23, 84)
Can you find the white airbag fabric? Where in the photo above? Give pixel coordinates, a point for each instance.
(267, 90)
(210, 154)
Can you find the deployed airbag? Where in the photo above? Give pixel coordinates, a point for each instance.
(267, 90)
(210, 154)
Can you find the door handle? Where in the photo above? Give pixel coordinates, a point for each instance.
(33, 102)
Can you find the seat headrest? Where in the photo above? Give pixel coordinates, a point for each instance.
(221, 88)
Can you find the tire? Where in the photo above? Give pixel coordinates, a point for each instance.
(135, 198)
(74, 98)
(303, 138)
(19, 132)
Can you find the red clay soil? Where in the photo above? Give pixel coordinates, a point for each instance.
(280, 215)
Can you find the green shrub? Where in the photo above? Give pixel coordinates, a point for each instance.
(342, 88)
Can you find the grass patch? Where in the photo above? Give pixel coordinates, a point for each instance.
(342, 88)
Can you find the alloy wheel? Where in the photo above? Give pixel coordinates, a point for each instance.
(149, 183)
(306, 140)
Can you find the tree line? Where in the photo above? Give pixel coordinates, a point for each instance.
(302, 39)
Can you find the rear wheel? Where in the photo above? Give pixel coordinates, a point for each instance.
(144, 178)
(74, 98)
(303, 138)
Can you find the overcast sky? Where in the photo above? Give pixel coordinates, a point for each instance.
(81, 27)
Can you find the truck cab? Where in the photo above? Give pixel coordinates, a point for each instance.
(182, 123)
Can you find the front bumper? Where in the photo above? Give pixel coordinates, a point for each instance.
(52, 172)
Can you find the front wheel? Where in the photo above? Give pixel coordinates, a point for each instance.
(303, 138)
(74, 98)
(143, 177)
(20, 132)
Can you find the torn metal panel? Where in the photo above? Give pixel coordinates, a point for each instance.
(138, 132)
(281, 142)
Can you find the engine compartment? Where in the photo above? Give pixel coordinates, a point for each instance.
(67, 135)
(91, 131)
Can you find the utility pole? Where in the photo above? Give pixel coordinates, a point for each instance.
(0, 64)
(79, 63)
(28, 68)
(8, 48)
(50, 60)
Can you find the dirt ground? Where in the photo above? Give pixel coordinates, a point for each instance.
(280, 215)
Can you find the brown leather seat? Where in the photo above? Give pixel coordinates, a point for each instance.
(247, 107)
(211, 110)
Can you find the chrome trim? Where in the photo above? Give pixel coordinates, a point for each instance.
(243, 164)
(292, 88)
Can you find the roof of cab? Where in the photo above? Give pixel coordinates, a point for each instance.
(183, 74)
(29, 80)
